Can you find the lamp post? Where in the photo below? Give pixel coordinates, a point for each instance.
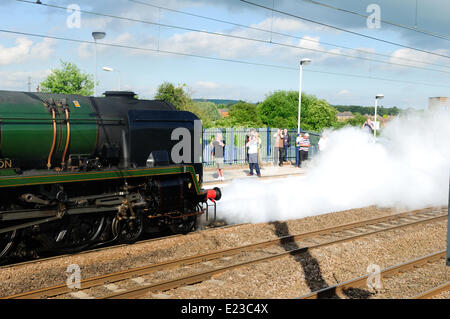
(377, 97)
(96, 36)
(108, 69)
(302, 62)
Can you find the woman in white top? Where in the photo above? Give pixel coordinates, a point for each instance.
(322, 142)
(253, 155)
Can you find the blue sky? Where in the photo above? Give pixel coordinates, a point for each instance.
(142, 71)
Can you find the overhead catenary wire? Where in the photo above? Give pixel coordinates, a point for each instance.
(285, 34)
(415, 29)
(345, 30)
(240, 37)
(216, 58)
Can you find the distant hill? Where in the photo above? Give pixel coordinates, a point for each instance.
(368, 109)
(218, 101)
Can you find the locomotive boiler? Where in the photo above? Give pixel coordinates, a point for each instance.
(80, 171)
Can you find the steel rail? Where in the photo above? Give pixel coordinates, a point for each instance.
(196, 278)
(111, 246)
(130, 273)
(362, 281)
(434, 291)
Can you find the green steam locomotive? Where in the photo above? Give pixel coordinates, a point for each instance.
(78, 171)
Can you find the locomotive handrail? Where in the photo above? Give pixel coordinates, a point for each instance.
(60, 120)
(160, 120)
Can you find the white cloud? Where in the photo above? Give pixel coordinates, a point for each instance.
(283, 25)
(25, 50)
(238, 48)
(18, 80)
(205, 85)
(234, 47)
(44, 49)
(17, 53)
(87, 50)
(398, 56)
(343, 92)
(212, 90)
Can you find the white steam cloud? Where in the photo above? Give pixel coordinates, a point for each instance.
(407, 167)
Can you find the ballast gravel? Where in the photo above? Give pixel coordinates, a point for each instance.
(288, 277)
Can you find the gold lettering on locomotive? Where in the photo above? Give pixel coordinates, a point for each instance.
(5, 163)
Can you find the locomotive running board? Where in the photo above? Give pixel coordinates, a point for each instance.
(67, 177)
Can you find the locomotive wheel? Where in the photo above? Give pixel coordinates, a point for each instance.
(6, 242)
(184, 227)
(82, 233)
(128, 231)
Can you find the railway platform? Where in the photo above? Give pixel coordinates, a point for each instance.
(240, 171)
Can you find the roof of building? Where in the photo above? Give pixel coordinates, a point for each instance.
(346, 113)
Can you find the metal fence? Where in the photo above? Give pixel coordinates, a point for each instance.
(235, 144)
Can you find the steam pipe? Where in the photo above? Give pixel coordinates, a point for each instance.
(67, 138)
(49, 160)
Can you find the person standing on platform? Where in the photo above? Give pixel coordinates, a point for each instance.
(304, 148)
(281, 148)
(276, 149)
(219, 146)
(253, 155)
(247, 139)
(259, 148)
(286, 142)
(322, 142)
(368, 126)
(298, 141)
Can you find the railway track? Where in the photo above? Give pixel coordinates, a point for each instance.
(361, 282)
(144, 241)
(201, 267)
(434, 291)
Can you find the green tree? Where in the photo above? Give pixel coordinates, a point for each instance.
(244, 114)
(68, 80)
(318, 114)
(179, 96)
(358, 120)
(174, 95)
(206, 111)
(368, 109)
(280, 109)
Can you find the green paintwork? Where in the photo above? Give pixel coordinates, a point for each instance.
(43, 177)
(7, 172)
(27, 129)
